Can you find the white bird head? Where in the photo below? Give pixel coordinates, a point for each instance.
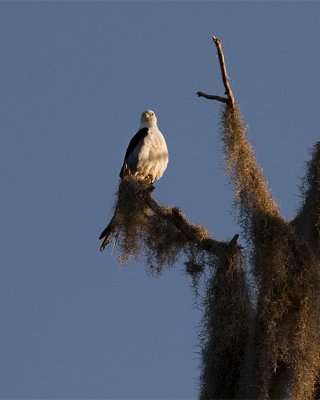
(148, 119)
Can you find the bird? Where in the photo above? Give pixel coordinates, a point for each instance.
(147, 153)
(146, 158)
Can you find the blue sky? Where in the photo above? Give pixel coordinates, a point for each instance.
(74, 79)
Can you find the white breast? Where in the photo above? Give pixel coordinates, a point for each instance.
(153, 155)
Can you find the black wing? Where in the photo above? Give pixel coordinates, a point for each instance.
(140, 135)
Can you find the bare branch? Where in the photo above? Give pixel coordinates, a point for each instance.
(225, 78)
(223, 68)
(213, 97)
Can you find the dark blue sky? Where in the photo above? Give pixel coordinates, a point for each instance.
(74, 78)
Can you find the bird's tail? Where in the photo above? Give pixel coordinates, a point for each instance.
(108, 232)
(107, 235)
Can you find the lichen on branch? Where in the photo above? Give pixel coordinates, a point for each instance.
(161, 234)
(307, 221)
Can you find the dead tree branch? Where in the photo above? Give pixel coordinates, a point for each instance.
(213, 97)
(223, 68)
(225, 78)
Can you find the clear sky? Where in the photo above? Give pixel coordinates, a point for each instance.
(74, 79)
